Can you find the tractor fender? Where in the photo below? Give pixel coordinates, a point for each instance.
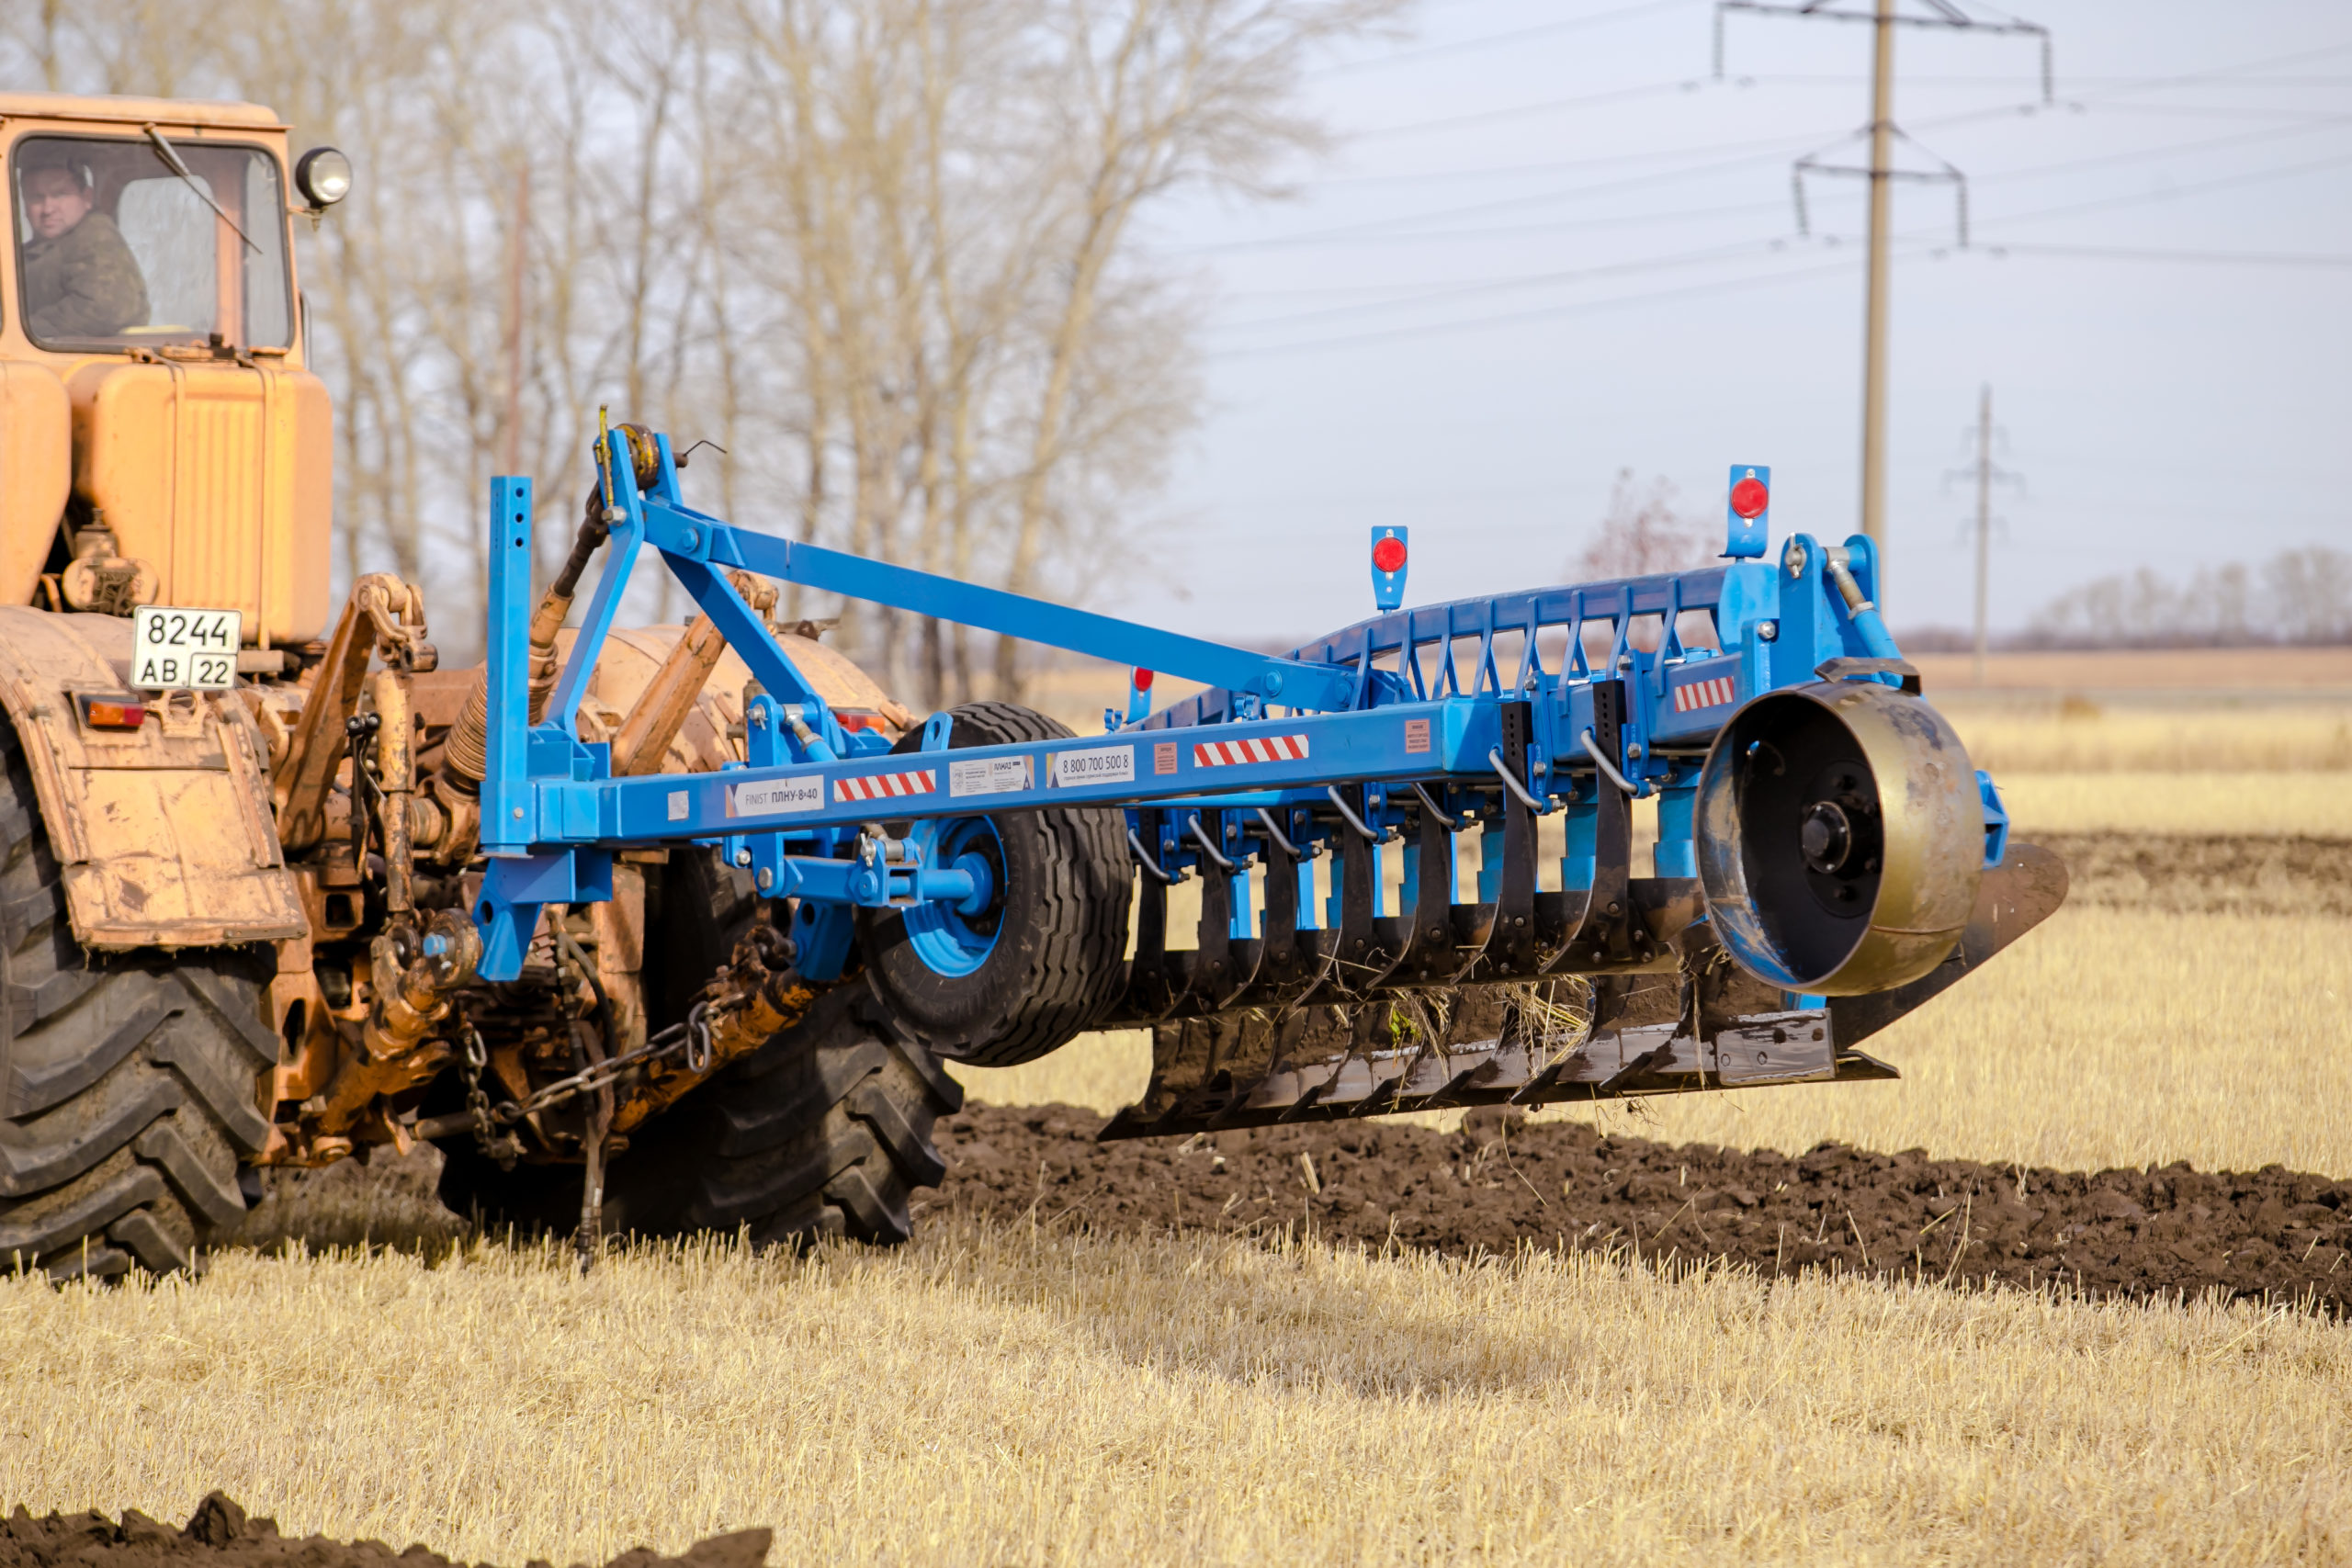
(164, 834)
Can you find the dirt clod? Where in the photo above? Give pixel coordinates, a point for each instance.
(1499, 1184)
(219, 1535)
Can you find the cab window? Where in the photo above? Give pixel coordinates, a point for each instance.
(115, 249)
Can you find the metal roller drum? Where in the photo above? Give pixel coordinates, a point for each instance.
(1841, 837)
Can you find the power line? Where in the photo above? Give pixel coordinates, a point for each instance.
(1765, 152)
(1497, 40)
(1545, 312)
(1909, 244)
(1482, 117)
(1533, 281)
(2214, 259)
(1442, 290)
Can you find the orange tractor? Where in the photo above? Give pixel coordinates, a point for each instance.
(673, 927)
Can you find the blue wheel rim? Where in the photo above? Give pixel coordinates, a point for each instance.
(949, 940)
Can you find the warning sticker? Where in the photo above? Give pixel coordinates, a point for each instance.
(774, 796)
(1107, 764)
(989, 775)
(1163, 757)
(1417, 735)
(677, 806)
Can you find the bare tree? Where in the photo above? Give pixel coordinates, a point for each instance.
(1645, 531)
(886, 255)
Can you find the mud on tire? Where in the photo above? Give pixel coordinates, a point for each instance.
(128, 1083)
(825, 1131)
(1055, 962)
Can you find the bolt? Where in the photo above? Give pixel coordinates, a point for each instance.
(518, 814)
(767, 878)
(743, 855)
(693, 539)
(758, 718)
(1767, 631)
(1634, 750)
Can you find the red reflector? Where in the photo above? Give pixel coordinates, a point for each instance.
(860, 718)
(1748, 497)
(1388, 554)
(111, 713)
(1143, 680)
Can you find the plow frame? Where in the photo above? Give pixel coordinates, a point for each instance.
(1306, 745)
(1417, 724)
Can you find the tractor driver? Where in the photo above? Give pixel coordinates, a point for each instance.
(80, 278)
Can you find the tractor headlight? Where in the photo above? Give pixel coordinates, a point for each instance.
(324, 177)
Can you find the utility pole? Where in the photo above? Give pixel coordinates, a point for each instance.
(1874, 295)
(1986, 474)
(1884, 16)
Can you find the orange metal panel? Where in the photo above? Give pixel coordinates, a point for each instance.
(36, 466)
(219, 475)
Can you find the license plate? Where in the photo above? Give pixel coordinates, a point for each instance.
(174, 648)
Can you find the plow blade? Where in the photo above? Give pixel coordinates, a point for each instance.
(1695, 1022)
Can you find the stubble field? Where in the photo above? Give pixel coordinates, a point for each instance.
(1034, 1382)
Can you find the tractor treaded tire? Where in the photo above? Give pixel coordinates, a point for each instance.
(825, 1131)
(128, 1081)
(1059, 962)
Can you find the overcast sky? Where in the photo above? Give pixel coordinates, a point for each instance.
(1549, 246)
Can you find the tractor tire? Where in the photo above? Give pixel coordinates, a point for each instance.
(129, 1082)
(1047, 960)
(824, 1132)
(696, 908)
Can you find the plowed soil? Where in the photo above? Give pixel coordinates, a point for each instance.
(1502, 1182)
(220, 1536)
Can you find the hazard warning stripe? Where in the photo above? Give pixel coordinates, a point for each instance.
(1695, 694)
(885, 786)
(1265, 748)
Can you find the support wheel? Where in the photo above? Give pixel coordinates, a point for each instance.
(1039, 955)
(128, 1083)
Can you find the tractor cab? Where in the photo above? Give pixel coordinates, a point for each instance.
(163, 442)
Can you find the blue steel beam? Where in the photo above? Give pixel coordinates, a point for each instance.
(1444, 740)
(688, 536)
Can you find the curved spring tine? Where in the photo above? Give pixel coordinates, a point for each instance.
(1354, 821)
(1145, 859)
(1495, 760)
(1193, 826)
(1436, 814)
(1275, 834)
(1609, 770)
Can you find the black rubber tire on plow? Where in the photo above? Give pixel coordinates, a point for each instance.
(1057, 964)
(126, 1082)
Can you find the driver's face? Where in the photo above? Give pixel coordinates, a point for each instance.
(54, 202)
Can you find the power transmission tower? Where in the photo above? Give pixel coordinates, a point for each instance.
(1884, 16)
(1986, 474)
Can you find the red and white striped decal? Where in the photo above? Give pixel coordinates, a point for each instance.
(1266, 749)
(885, 786)
(1692, 695)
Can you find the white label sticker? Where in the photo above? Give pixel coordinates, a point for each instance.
(778, 795)
(989, 775)
(1111, 764)
(677, 806)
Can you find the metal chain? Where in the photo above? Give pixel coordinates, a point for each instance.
(475, 1057)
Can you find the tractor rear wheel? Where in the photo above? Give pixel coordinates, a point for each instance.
(1042, 955)
(128, 1082)
(825, 1131)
